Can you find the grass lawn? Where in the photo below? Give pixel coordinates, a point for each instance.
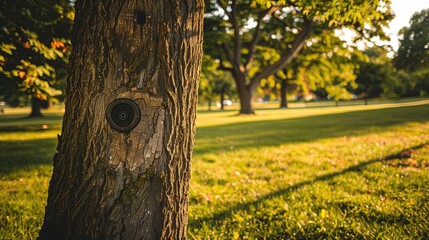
(348, 172)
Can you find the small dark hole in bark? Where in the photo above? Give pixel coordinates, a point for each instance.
(140, 17)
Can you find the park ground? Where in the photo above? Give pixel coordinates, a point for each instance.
(308, 172)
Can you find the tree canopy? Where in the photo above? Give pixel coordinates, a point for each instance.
(237, 32)
(413, 51)
(213, 83)
(375, 74)
(34, 47)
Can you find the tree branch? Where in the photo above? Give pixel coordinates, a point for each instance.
(230, 56)
(236, 27)
(223, 7)
(285, 24)
(288, 56)
(234, 56)
(223, 67)
(256, 35)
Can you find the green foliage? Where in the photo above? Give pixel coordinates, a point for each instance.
(395, 84)
(213, 83)
(329, 11)
(259, 38)
(422, 78)
(34, 48)
(413, 52)
(325, 65)
(335, 77)
(376, 74)
(377, 77)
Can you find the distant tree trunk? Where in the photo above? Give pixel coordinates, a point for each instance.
(36, 106)
(209, 104)
(245, 94)
(222, 97)
(366, 91)
(283, 92)
(240, 72)
(127, 185)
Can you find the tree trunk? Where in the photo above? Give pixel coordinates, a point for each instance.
(246, 100)
(283, 92)
(127, 185)
(209, 104)
(222, 97)
(36, 106)
(240, 73)
(366, 91)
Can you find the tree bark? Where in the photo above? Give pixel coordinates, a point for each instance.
(245, 93)
(246, 106)
(127, 185)
(36, 106)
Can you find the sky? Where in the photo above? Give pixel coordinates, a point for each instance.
(403, 9)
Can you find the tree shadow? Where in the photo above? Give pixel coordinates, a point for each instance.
(247, 206)
(18, 123)
(25, 155)
(304, 129)
(233, 111)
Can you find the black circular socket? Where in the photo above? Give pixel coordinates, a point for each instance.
(123, 114)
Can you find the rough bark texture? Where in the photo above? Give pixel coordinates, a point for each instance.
(245, 93)
(134, 185)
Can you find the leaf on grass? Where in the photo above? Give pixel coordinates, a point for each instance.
(407, 153)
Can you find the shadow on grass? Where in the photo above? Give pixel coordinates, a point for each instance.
(25, 117)
(225, 214)
(276, 132)
(21, 155)
(29, 128)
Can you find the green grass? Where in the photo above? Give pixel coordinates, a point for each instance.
(25, 170)
(348, 172)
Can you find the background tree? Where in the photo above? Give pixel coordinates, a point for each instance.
(375, 71)
(284, 79)
(127, 185)
(413, 52)
(240, 25)
(213, 83)
(34, 48)
(325, 65)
